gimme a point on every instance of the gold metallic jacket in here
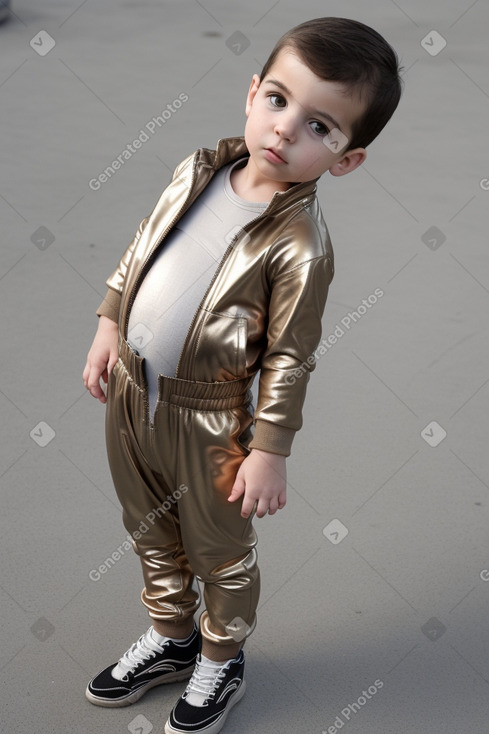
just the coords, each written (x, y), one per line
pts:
(263, 307)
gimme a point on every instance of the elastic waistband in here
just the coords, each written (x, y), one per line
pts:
(188, 393)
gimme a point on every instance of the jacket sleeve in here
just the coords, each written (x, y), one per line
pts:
(110, 306)
(297, 304)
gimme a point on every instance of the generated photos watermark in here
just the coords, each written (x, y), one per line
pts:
(140, 725)
(143, 527)
(351, 709)
(42, 434)
(151, 127)
(433, 43)
(42, 43)
(335, 531)
(346, 323)
(335, 140)
(433, 434)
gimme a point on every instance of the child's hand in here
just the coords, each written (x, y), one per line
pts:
(262, 479)
(101, 358)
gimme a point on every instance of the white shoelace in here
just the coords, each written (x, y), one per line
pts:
(204, 681)
(140, 651)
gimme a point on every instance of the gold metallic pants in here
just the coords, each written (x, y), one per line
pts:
(173, 478)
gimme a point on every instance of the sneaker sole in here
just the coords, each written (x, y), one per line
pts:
(213, 728)
(133, 697)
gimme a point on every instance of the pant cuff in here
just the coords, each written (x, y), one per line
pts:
(236, 631)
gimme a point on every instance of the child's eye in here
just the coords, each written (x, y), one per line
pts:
(280, 100)
(321, 129)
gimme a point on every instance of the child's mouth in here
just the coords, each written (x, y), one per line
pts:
(273, 157)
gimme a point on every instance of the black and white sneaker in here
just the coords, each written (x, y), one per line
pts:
(212, 691)
(146, 664)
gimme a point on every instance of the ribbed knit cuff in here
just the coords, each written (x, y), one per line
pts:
(273, 438)
(110, 306)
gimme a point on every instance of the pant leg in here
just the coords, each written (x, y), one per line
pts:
(219, 543)
(148, 515)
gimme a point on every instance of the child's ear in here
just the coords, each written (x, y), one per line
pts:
(255, 83)
(351, 160)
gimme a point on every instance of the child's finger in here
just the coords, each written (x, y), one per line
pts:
(94, 387)
(237, 490)
(112, 362)
(274, 506)
(95, 391)
(247, 507)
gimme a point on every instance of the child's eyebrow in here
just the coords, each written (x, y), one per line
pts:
(282, 86)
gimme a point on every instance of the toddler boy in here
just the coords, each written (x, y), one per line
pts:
(228, 275)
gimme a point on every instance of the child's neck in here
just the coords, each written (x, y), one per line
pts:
(250, 185)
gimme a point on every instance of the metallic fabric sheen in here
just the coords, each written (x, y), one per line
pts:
(173, 479)
(264, 305)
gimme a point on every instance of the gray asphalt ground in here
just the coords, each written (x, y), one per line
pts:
(374, 609)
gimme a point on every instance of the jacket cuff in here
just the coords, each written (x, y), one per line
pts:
(273, 438)
(110, 306)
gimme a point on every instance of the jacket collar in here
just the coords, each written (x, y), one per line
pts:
(229, 149)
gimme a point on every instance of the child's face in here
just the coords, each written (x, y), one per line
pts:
(295, 121)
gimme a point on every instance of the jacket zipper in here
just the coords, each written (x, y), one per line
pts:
(142, 274)
(151, 255)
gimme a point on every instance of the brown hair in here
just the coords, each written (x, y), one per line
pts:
(353, 54)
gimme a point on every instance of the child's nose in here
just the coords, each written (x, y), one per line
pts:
(286, 127)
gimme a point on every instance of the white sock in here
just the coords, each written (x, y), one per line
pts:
(214, 663)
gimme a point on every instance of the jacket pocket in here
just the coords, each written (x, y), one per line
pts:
(220, 349)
